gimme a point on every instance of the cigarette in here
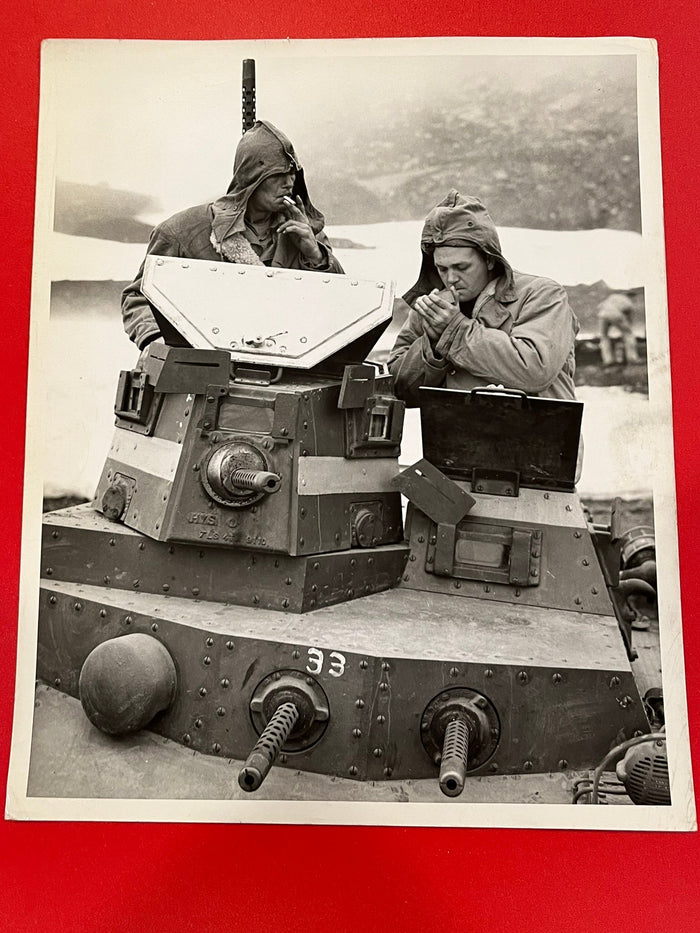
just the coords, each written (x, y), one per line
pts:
(288, 200)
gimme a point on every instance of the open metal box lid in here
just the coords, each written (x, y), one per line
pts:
(502, 430)
(279, 317)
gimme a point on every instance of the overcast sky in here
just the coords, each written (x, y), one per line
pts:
(163, 118)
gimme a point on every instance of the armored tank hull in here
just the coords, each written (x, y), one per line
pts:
(243, 586)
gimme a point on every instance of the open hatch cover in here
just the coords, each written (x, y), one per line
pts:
(501, 430)
(282, 317)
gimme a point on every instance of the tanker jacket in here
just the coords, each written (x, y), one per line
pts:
(218, 231)
(522, 339)
(188, 235)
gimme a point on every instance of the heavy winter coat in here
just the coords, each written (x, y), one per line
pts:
(217, 231)
(520, 333)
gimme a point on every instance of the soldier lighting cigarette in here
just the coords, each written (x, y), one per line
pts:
(449, 294)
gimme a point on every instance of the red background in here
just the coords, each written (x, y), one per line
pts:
(69, 877)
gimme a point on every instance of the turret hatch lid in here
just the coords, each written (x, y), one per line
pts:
(502, 429)
(280, 317)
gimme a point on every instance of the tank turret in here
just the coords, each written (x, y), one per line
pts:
(266, 436)
(248, 525)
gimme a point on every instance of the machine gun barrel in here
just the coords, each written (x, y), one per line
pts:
(257, 480)
(248, 94)
(267, 748)
(455, 753)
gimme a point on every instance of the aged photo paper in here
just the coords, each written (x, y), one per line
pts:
(559, 139)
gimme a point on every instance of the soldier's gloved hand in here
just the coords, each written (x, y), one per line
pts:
(299, 229)
(437, 310)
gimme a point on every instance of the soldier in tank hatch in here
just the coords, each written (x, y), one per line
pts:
(473, 320)
(265, 218)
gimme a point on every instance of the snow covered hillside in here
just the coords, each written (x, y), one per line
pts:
(392, 251)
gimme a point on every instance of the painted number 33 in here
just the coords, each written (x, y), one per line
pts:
(336, 662)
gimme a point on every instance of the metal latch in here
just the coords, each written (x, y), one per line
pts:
(373, 415)
(255, 376)
(137, 403)
(375, 429)
(134, 395)
(496, 482)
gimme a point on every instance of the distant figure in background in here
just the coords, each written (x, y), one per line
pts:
(265, 218)
(615, 313)
(472, 320)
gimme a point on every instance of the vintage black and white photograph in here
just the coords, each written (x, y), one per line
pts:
(349, 454)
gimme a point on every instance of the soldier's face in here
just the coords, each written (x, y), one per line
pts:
(464, 268)
(268, 197)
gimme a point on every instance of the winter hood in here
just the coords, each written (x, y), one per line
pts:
(459, 221)
(263, 151)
